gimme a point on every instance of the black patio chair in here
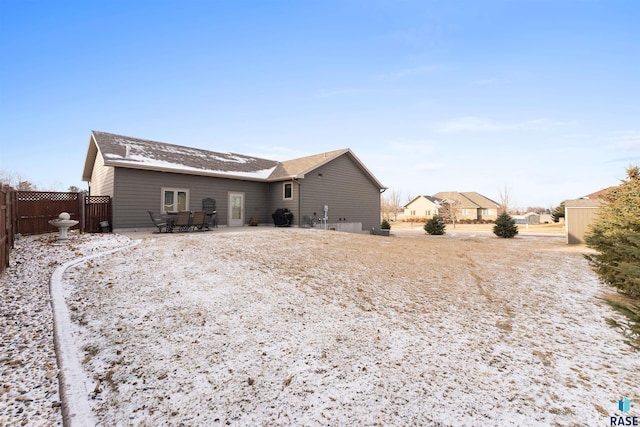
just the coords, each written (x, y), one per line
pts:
(163, 225)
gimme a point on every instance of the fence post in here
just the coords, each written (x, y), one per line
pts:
(81, 210)
(7, 224)
(4, 219)
(13, 205)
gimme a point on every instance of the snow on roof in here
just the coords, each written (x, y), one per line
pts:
(130, 152)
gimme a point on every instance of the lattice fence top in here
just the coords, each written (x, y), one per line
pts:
(97, 199)
(36, 196)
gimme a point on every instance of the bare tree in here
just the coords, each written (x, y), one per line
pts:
(26, 186)
(395, 202)
(385, 207)
(537, 209)
(449, 210)
(390, 204)
(505, 196)
(10, 178)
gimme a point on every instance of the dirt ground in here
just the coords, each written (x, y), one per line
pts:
(268, 326)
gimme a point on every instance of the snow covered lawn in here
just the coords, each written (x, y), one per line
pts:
(272, 326)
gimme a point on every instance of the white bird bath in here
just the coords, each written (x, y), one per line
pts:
(63, 222)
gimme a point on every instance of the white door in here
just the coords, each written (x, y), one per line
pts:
(236, 210)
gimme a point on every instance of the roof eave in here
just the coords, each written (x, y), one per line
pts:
(184, 171)
(90, 161)
(285, 178)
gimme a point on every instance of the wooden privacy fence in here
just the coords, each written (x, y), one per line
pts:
(7, 224)
(97, 213)
(29, 212)
(36, 208)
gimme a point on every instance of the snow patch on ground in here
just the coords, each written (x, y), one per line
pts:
(304, 327)
(272, 326)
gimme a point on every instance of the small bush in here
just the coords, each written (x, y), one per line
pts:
(505, 226)
(384, 225)
(435, 226)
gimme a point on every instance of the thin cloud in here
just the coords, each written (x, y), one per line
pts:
(413, 147)
(408, 72)
(278, 153)
(488, 82)
(470, 124)
(334, 93)
(480, 124)
(629, 140)
(632, 160)
(429, 166)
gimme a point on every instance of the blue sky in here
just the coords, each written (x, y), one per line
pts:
(540, 96)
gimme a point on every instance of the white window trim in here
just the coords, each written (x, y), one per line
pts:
(175, 191)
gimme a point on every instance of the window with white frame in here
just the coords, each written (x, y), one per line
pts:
(287, 191)
(174, 200)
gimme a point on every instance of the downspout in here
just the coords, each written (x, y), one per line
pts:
(293, 179)
(382, 190)
(269, 207)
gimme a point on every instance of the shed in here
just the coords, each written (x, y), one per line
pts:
(579, 214)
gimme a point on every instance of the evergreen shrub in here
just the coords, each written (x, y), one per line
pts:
(615, 235)
(435, 226)
(505, 226)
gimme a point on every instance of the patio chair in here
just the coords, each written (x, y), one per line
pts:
(209, 208)
(199, 221)
(162, 224)
(183, 221)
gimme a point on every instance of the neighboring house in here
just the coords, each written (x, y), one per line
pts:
(421, 207)
(142, 175)
(548, 219)
(528, 218)
(580, 213)
(470, 205)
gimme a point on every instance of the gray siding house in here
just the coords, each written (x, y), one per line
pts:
(470, 205)
(142, 175)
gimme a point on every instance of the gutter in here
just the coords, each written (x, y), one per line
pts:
(294, 179)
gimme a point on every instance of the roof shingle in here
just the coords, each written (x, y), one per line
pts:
(136, 153)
